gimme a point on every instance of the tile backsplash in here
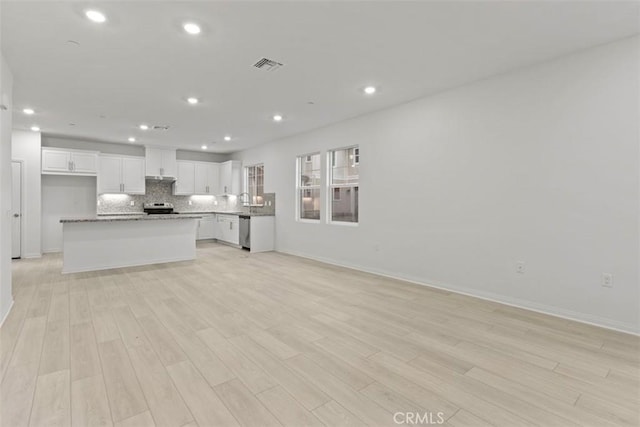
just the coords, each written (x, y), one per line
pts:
(162, 191)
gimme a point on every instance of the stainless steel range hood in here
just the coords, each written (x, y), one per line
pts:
(160, 178)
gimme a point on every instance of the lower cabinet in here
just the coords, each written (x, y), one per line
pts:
(207, 228)
(228, 228)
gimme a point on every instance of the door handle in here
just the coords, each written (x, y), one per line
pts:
(16, 215)
(69, 165)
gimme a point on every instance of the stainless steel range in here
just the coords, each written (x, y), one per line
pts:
(159, 208)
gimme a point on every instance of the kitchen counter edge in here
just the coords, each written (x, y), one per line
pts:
(115, 218)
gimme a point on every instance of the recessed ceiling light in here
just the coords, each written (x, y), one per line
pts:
(204, 147)
(227, 138)
(35, 128)
(191, 28)
(370, 90)
(193, 100)
(28, 111)
(95, 16)
(277, 118)
(144, 127)
(131, 139)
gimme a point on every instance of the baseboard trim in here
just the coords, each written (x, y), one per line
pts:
(488, 296)
(31, 256)
(7, 313)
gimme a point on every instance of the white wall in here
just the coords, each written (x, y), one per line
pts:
(6, 85)
(26, 146)
(64, 196)
(540, 165)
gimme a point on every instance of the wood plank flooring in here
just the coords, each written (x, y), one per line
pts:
(270, 339)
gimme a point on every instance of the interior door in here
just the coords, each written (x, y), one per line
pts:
(16, 210)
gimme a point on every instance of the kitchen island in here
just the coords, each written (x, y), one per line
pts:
(104, 242)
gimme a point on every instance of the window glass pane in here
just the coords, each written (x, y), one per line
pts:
(310, 203)
(344, 204)
(255, 184)
(345, 166)
(310, 170)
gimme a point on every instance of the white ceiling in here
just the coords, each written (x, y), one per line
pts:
(139, 66)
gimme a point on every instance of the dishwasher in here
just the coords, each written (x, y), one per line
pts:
(245, 231)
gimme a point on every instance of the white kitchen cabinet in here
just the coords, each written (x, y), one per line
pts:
(207, 227)
(161, 162)
(230, 177)
(228, 228)
(185, 179)
(57, 161)
(121, 175)
(199, 178)
(133, 170)
(206, 178)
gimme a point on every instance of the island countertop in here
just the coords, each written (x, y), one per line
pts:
(133, 217)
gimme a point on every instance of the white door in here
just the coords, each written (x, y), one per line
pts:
(16, 210)
(133, 175)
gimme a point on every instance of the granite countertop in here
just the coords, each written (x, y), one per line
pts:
(228, 213)
(122, 213)
(132, 217)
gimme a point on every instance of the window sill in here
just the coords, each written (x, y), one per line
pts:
(344, 223)
(308, 221)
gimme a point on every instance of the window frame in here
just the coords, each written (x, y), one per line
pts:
(331, 153)
(246, 187)
(300, 160)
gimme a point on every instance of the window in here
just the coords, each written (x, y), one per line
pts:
(343, 184)
(309, 187)
(253, 185)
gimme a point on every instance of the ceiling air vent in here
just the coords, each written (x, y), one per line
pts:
(267, 64)
(157, 127)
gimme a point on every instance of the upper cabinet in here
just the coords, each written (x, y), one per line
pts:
(121, 175)
(196, 178)
(185, 181)
(230, 177)
(206, 178)
(161, 162)
(56, 161)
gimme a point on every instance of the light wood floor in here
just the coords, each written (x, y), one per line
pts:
(270, 339)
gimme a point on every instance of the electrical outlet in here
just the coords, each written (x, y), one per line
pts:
(190, 202)
(607, 280)
(520, 267)
(133, 203)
